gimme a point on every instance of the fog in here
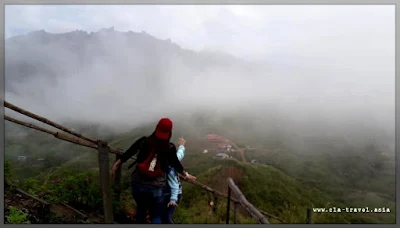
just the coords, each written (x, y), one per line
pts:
(330, 90)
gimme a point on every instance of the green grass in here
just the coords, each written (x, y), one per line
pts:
(291, 183)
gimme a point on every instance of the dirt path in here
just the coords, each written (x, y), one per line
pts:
(241, 151)
(68, 216)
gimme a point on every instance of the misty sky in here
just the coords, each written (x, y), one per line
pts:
(263, 31)
(336, 61)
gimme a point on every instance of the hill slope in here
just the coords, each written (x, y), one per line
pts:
(276, 188)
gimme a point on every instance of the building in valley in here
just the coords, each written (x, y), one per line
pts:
(214, 142)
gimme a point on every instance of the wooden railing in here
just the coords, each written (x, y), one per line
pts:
(254, 212)
(103, 158)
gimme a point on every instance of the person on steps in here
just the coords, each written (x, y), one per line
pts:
(173, 193)
(155, 154)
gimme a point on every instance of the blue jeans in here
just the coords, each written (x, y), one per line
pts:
(169, 211)
(148, 200)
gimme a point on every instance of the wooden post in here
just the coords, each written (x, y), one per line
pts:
(215, 203)
(105, 181)
(228, 205)
(234, 212)
(117, 180)
(308, 220)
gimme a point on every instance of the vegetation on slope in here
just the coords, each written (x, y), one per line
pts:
(283, 184)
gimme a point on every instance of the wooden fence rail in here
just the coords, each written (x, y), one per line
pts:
(59, 135)
(54, 133)
(254, 212)
(46, 121)
(103, 151)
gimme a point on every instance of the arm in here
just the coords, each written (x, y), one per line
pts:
(174, 185)
(128, 154)
(132, 150)
(181, 152)
(173, 160)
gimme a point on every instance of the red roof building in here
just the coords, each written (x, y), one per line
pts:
(216, 138)
(216, 141)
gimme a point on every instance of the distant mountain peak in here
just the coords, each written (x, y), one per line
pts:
(44, 36)
(111, 29)
(33, 55)
(42, 31)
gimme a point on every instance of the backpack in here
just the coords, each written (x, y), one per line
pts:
(151, 166)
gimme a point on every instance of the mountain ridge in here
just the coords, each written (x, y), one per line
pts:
(78, 39)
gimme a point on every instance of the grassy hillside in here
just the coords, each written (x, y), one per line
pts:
(271, 190)
(284, 184)
(335, 173)
(37, 145)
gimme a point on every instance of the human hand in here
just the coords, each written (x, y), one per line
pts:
(190, 177)
(172, 204)
(181, 141)
(115, 168)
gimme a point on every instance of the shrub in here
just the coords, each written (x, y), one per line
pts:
(31, 185)
(76, 189)
(16, 216)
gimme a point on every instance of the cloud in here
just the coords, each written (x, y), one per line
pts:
(242, 30)
(313, 63)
